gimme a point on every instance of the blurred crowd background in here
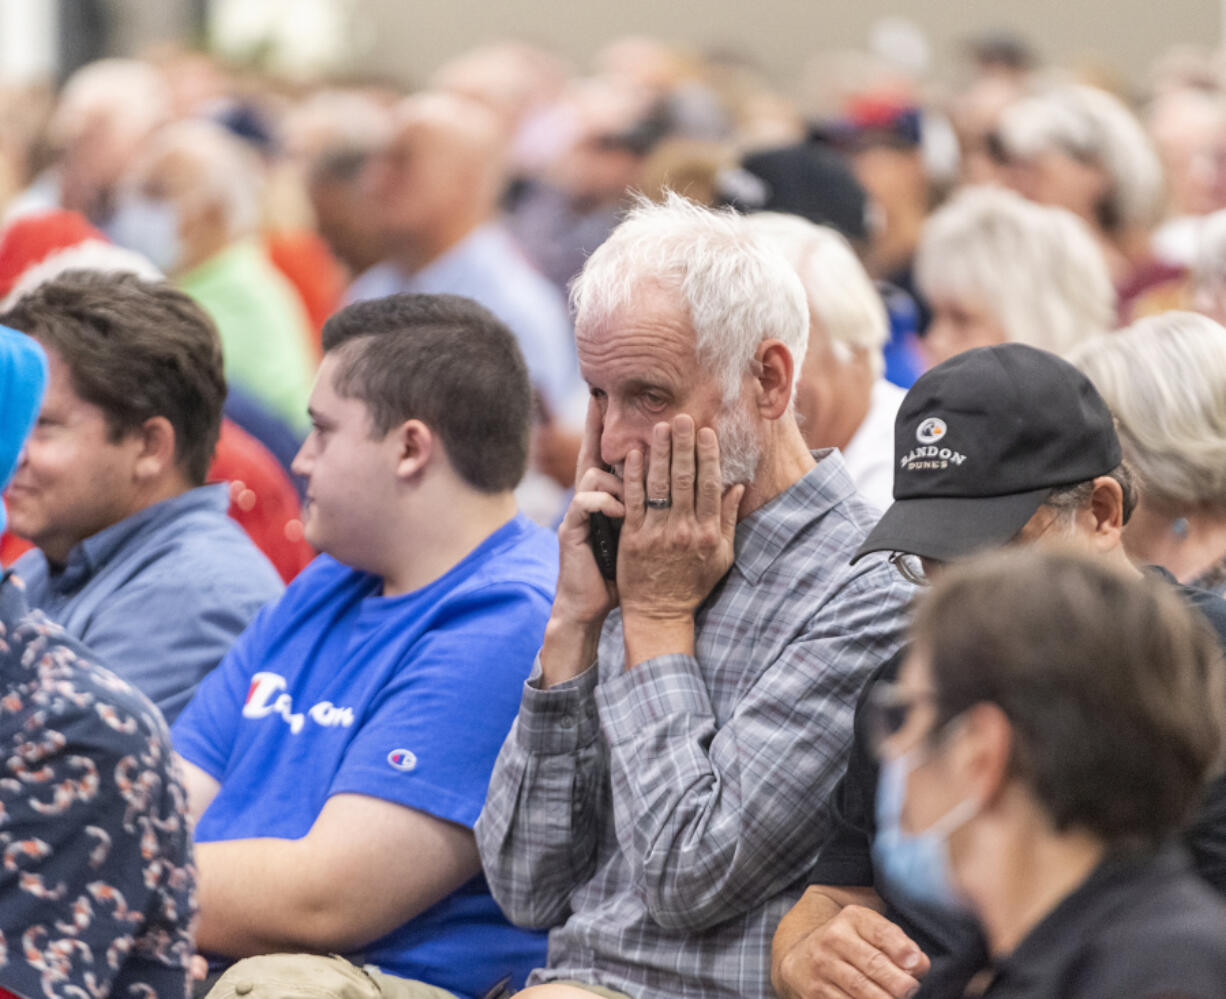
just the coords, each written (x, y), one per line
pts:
(278, 159)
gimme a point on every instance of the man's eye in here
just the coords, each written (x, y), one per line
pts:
(653, 401)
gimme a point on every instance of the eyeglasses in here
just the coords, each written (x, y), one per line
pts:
(887, 709)
(909, 567)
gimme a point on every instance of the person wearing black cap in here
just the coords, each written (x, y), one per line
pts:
(999, 445)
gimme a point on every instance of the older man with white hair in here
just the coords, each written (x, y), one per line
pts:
(191, 204)
(843, 399)
(690, 710)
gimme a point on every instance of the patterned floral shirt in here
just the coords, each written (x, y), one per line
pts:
(97, 887)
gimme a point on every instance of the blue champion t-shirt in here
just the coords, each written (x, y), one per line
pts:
(335, 689)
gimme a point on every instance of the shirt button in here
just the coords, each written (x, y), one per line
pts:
(568, 721)
(242, 988)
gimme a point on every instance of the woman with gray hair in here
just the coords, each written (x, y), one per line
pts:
(996, 268)
(1080, 148)
(1164, 378)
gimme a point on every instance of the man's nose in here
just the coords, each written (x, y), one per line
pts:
(618, 437)
(301, 465)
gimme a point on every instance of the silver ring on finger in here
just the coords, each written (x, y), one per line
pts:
(663, 503)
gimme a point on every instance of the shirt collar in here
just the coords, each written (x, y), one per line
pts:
(764, 534)
(91, 555)
(1062, 930)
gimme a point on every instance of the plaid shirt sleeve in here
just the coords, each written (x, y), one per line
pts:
(713, 817)
(537, 833)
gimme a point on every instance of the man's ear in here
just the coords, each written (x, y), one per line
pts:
(415, 445)
(774, 369)
(155, 441)
(1107, 510)
(983, 751)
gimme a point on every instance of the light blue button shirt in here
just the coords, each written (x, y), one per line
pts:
(490, 268)
(160, 596)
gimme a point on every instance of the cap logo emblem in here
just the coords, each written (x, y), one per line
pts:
(931, 430)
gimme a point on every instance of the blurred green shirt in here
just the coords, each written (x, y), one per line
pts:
(265, 332)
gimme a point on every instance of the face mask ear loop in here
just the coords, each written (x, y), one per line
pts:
(956, 817)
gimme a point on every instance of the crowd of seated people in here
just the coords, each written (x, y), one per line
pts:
(633, 533)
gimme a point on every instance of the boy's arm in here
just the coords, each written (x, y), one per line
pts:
(366, 867)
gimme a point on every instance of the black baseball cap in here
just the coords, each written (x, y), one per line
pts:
(808, 179)
(980, 441)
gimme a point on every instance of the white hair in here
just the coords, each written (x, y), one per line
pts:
(737, 291)
(227, 172)
(841, 295)
(1164, 378)
(130, 93)
(1091, 126)
(1036, 268)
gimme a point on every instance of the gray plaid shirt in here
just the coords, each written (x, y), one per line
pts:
(667, 816)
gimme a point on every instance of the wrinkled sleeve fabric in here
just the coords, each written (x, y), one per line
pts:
(719, 818)
(538, 831)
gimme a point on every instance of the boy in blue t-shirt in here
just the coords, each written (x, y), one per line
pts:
(338, 757)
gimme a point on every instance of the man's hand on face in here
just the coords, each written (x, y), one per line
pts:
(677, 539)
(859, 954)
(584, 597)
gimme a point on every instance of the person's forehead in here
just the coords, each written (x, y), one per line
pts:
(61, 392)
(649, 331)
(326, 399)
(325, 377)
(59, 376)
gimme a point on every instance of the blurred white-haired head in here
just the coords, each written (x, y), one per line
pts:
(1079, 147)
(194, 189)
(844, 305)
(996, 267)
(106, 110)
(1164, 378)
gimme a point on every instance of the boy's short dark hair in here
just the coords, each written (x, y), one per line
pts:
(448, 362)
(135, 349)
(1113, 686)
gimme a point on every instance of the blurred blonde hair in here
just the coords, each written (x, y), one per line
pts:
(1164, 378)
(1037, 268)
(1092, 126)
(841, 295)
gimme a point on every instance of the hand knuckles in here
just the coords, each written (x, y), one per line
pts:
(880, 968)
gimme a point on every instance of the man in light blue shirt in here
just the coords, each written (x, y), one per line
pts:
(135, 555)
(438, 185)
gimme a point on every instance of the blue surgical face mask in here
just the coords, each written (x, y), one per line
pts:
(916, 864)
(149, 227)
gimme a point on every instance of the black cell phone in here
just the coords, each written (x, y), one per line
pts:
(603, 534)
